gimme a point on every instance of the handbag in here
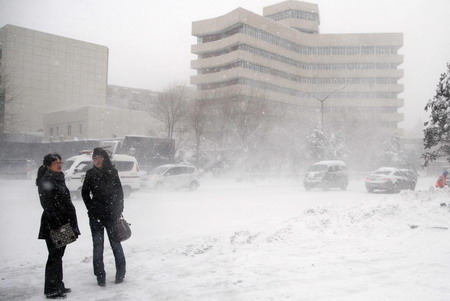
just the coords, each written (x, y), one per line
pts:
(63, 236)
(121, 230)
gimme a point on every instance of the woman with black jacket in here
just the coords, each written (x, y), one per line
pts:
(58, 211)
(103, 196)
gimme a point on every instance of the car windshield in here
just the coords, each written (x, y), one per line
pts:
(382, 172)
(124, 165)
(318, 167)
(158, 170)
(67, 164)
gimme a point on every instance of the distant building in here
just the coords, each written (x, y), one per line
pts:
(41, 72)
(97, 122)
(130, 98)
(283, 56)
(56, 88)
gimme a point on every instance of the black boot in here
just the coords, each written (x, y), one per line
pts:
(101, 281)
(56, 295)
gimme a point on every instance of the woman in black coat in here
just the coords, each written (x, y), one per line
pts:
(58, 211)
(103, 196)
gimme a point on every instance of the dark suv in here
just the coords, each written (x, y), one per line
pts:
(327, 174)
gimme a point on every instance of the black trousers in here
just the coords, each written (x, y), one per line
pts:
(98, 238)
(54, 269)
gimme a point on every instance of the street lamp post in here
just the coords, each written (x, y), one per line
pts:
(322, 100)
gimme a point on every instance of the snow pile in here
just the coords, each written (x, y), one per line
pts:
(247, 241)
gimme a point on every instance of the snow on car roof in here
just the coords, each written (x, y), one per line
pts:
(121, 157)
(330, 162)
(174, 165)
(386, 169)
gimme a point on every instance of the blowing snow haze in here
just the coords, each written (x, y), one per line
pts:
(289, 179)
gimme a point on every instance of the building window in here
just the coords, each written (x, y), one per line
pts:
(51, 131)
(80, 128)
(294, 13)
(69, 130)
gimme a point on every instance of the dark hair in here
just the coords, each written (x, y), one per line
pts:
(107, 164)
(46, 163)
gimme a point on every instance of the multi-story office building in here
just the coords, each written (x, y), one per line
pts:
(41, 73)
(284, 57)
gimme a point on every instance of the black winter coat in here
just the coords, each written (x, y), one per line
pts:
(57, 205)
(102, 194)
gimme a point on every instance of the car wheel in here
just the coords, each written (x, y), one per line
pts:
(194, 185)
(307, 187)
(159, 186)
(369, 190)
(126, 191)
(395, 188)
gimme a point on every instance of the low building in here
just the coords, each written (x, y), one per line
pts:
(97, 122)
(131, 98)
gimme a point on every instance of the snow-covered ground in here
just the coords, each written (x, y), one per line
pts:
(260, 240)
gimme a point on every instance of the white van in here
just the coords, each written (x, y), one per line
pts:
(75, 169)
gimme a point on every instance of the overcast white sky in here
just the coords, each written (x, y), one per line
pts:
(149, 41)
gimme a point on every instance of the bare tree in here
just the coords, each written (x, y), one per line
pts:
(237, 119)
(363, 134)
(170, 108)
(245, 124)
(219, 129)
(198, 120)
(249, 116)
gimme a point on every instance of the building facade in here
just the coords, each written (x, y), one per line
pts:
(55, 88)
(97, 122)
(41, 72)
(131, 98)
(283, 56)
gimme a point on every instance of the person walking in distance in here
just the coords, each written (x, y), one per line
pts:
(103, 196)
(442, 180)
(58, 211)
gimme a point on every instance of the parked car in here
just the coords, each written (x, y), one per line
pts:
(171, 176)
(127, 166)
(391, 179)
(327, 174)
